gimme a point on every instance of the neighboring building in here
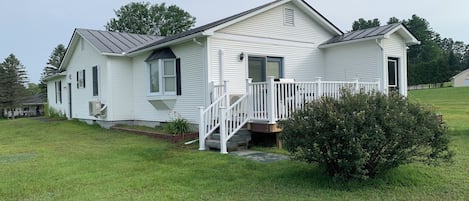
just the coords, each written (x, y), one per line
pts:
(114, 77)
(461, 79)
(30, 106)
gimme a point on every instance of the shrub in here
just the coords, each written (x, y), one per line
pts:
(53, 113)
(365, 134)
(178, 126)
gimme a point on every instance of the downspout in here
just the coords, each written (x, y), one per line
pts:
(221, 53)
(383, 64)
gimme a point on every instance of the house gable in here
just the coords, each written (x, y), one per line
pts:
(285, 22)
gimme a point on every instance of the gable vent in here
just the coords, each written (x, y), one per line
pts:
(289, 17)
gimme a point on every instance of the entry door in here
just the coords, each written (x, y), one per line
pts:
(393, 74)
(262, 67)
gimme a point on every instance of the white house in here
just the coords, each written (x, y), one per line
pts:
(461, 79)
(114, 78)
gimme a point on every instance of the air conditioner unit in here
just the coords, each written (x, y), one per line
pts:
(95, 108)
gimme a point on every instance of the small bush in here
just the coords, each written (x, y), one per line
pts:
(363, 135)
(53, 113)
(178, 126)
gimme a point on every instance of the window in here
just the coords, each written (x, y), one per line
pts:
(81, 79)
(164, 77)
(95, 81)
(262, 67)
(393, 77)
(289, 17)
(58, 92)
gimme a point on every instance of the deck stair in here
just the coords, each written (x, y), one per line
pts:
(239, 141)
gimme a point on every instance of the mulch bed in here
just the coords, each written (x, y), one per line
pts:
(169, 138)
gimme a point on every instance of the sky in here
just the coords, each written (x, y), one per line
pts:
(31, 29)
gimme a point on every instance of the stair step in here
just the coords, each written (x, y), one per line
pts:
(216, 145)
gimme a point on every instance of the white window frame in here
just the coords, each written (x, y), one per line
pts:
(161, 78)
(81, 79)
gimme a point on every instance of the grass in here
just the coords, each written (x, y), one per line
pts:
(67, 160)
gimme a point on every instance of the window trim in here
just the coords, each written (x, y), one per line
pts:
(396, 72)
(81, 76)
(162, 77)
(265, 60)
(58, 92)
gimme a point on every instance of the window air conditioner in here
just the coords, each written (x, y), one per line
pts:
(95, 108)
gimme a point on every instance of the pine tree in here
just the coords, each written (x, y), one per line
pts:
(53, 65)
(13, 78)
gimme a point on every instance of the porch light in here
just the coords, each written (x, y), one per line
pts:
(241, 56)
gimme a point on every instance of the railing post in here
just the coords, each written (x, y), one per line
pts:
(318, 80)
(201, 129)
(225, 86)
(223, 141)
(249, 97)
(225, 91)
(357, 85)
(212, 93)
(378, 83)
(271, 100)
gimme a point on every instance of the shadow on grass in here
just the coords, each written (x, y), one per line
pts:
(315, 176)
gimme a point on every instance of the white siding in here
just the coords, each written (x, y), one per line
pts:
(270, 24)
(395, 47)
(120, 85)
(84, 57)
(193, 85)
(461, 79)
(266, 35)
(51, 96)
(357, 60)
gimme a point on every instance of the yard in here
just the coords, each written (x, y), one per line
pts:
(67, 160)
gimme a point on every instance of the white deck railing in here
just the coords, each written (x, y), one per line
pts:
(267, 102)
(273, 101)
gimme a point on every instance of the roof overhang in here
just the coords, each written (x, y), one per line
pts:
(166, 44)
(56, 76)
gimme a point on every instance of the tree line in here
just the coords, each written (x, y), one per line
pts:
(435, 59)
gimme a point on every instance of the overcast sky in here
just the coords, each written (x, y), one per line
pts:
(30, 29)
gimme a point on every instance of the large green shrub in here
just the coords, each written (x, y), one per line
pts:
(364, 134)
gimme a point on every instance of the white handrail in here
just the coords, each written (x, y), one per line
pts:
(210, 119)
(232, 120)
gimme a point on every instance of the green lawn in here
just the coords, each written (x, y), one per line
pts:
(67, 160)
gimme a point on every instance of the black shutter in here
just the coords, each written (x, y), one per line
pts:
(78, 79)
(95, 80)
(178, 77)
(84, 80)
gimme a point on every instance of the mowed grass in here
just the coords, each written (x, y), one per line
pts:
(67, 160)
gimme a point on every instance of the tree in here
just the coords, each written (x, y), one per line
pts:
(13, 78)
(52, 65)
(157, 19)
(365, 24)
(393, 20)
(364, 135)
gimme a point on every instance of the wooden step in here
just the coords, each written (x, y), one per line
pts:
(264, 128)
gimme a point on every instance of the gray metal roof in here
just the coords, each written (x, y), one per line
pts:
(220, 22)
(115, 42)
(363, 34)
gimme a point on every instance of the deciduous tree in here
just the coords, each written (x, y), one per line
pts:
(157, 19)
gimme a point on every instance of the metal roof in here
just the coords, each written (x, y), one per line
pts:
(115, 42)
(363, 34)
